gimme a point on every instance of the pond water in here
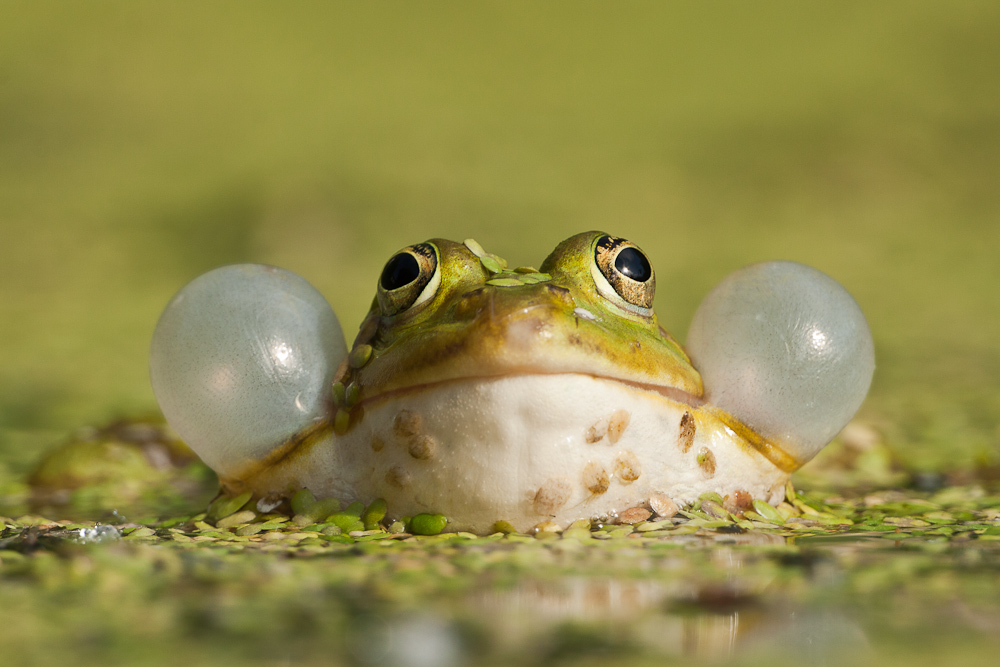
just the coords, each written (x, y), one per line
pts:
(703, 599)
(879, 577)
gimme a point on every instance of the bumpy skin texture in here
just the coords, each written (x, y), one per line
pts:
(786, 349)
(242, 359)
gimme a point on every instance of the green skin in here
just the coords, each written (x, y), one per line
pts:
(446, 337)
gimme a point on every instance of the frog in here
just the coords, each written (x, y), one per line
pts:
(534, 397)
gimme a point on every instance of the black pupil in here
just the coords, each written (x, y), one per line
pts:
(400, 271)
(633, 264)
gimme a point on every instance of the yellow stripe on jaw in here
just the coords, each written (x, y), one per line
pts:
(279, 459)
(769, 450)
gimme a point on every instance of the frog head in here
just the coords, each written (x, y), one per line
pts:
(447, 311)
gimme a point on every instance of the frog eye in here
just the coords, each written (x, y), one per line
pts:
(409, 278)
(623, 274)
(786, 350)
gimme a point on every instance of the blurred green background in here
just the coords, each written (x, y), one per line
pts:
(143, 143)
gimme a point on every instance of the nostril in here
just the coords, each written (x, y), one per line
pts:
(471, 304)
(560, 293)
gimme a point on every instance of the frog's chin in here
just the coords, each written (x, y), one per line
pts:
(776, 452)
(673, 393)
(525, 449)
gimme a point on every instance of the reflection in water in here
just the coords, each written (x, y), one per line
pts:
(809, 637)
(531, 615)
(410, 640)
(737, 617)
(723, 604)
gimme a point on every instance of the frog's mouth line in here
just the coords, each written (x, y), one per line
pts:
(672, 393)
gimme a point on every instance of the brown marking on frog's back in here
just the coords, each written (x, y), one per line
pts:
(422, 447)
(397, 477)
(407, 423)
(551, 496)
(596, 431)
(595, 478)
(706, 461)
(627, 467)
(687, 430)
(617, 425)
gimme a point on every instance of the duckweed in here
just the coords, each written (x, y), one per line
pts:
(318, 510)
(766, 512)
(244, 516)
(490, 264)
(428, 524)
(504, 527)
(346, 522)
(355, 509)
(223, 506)
(505, 282)
(374, 513)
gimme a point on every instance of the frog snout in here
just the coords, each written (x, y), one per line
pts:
(496, 305)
